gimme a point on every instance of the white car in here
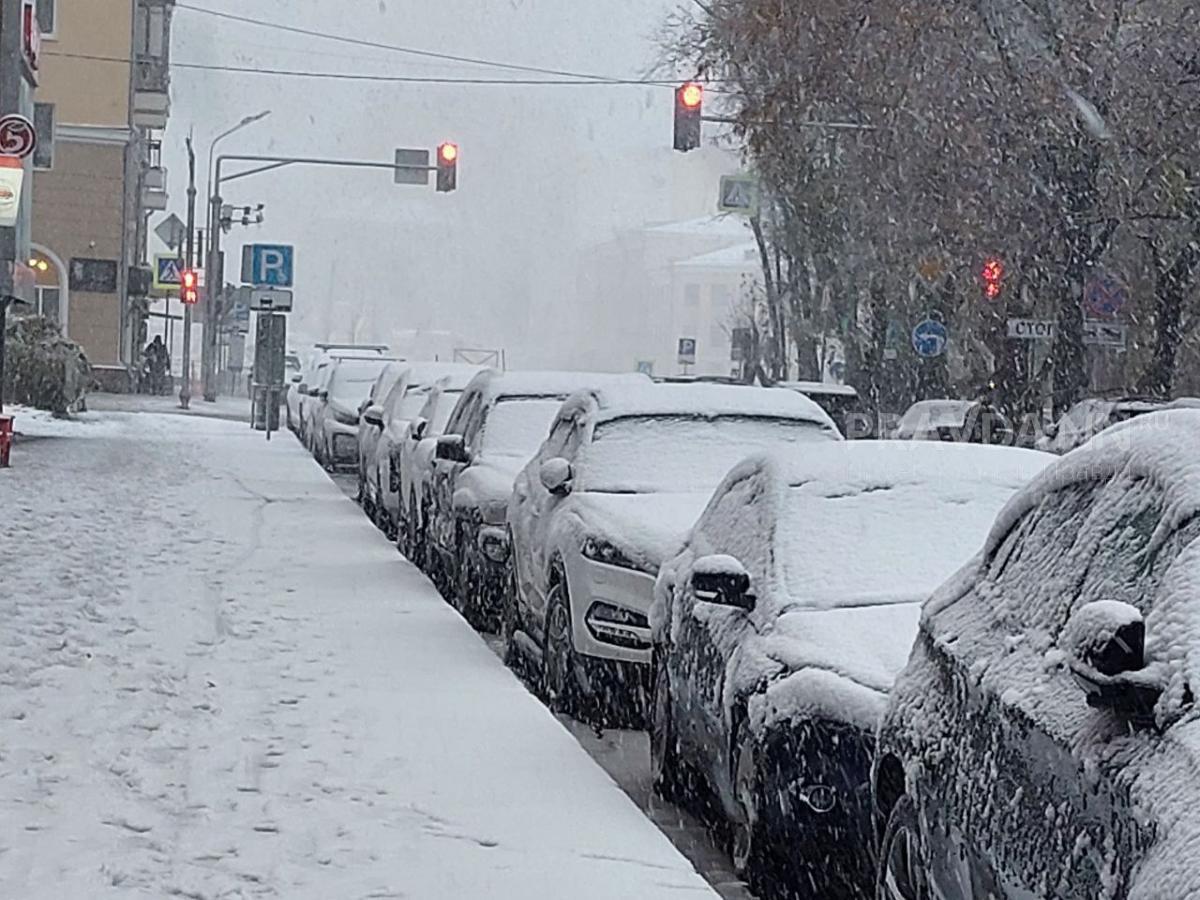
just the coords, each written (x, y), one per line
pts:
(344, 386)
(1088, 418)
(302, 397)
(496, 426)
(392, 414)
(612, 492)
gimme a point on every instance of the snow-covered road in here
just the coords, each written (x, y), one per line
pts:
(217, 680)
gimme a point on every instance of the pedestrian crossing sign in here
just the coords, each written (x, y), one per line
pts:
(168, 272)
(739, 194)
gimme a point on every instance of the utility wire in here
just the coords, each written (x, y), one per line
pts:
(357, 76)
(412, 51)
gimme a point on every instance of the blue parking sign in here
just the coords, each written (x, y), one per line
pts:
(268, 265)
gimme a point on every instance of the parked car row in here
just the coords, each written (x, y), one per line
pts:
(833, 673)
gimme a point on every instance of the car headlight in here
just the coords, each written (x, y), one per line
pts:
(600, 550)
(821, 798)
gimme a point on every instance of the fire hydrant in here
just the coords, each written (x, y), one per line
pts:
(6, 437)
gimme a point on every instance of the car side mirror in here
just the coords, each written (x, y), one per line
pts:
(451, 448)
(296, 380)
(556, 475)
(419, 427)
(323, 395)
(373, 415)
(1105, 645)
(724, 581)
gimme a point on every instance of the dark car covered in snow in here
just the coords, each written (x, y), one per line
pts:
(1044, 739)
(780, 627)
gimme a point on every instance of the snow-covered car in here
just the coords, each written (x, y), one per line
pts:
(410, 464)
(1042, 741)
(344, 386)
(612, 492)
(371, 426)
(497, 425)
(1088, 418)
(779, 629)
(934, 420)
(393, 413)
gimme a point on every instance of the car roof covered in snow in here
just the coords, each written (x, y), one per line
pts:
(496, 385)
(907, 514)
(699, 400)
(455, 376)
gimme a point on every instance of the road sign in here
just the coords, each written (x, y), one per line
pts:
(739, 194)
(929, 339)
(412, 166)
(1030, 330)
(270, 300)
(171, 231)
(168, 272)
(687, 351)
(1105, 295)
(12, 177)
(17, 136)
(268, 265)
(1105, 334)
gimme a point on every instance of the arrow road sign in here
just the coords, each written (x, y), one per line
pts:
(1030, 330)
(929, 339)
(171, 231)
(168, 272)
(268, 265)
(1105, 334)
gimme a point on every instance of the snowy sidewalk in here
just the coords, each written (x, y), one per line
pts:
(235, 688)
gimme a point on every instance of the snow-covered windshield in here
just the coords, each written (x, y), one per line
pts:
(352, 380)
(411, 404)
(518, 427)
(656, 454)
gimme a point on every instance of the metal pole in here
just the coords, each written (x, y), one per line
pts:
(215, 283)
(185, 388)
(4, 301)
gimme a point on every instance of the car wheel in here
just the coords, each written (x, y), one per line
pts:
(746, 843)
(902, 867)
(558, 657)
(664, 750)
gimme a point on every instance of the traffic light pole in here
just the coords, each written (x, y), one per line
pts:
(216, 278)
(185, 387)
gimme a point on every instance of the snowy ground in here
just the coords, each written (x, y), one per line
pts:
(217, 680)
(625, 755)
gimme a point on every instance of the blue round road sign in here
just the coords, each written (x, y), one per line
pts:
(1105, 295)
(929, 339)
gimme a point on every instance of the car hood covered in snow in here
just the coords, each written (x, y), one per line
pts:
(647, 528)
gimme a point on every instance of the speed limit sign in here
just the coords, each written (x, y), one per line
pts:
(17, 136)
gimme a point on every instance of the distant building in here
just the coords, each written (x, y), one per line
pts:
(100, 107)
(650, 287)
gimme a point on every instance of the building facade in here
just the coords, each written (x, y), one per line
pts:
(101, 104)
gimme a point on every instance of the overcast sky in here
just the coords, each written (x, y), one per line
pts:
(546, 171)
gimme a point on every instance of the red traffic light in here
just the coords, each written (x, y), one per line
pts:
(447, 167)
(189, 286)
(993, 278)
(689, 103)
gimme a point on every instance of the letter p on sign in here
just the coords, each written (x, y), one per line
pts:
(268, 265)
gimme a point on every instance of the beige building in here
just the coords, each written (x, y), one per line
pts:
(101, 103)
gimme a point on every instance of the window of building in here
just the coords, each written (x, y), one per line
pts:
(43, 123)
(47, 16)
(151, 38)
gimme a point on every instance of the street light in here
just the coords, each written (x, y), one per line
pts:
(209, 346)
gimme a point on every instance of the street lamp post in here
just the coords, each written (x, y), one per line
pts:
(215, 279)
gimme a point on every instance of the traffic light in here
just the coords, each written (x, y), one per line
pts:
(689, 106)
(189, 286)
(993, 278)
(447, 167)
